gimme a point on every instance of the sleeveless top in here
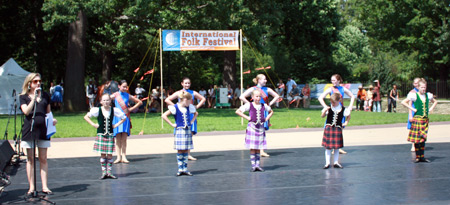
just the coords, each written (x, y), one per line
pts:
(257, 116)
(105, 124)
(339, 89)
(335, 118)
(182, 119)
(422, 108)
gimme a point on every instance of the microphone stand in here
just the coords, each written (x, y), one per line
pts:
(16, 158)
(35, 194)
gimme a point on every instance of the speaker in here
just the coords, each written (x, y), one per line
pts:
(6, 153)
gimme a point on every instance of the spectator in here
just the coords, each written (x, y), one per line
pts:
(91, 93)
(376, 97)
(57, 96)
(280, 91)
(289, 85)
(369, 100)
(392, 99)
(361, 98)
(237, 94)
(211, 96)
(202, 92)
(306, 92)
(139, 91)
(294, 96)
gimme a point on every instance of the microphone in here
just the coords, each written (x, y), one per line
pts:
(37, 89)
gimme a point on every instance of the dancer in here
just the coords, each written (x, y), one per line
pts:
(186, 84)
(255, 138)
(182, 111)
(32, 94)
(419, 124)
(410, 112)
(332, 135)
(336, 80)
(104, 142)
(260, 82)
(121, 132)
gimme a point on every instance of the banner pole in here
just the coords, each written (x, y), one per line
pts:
(242, 67)
(161, 68)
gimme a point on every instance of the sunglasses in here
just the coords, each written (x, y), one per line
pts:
(36, 81)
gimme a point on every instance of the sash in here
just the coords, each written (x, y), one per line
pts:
(122, 105)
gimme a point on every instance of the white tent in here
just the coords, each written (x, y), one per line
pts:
(11, 78)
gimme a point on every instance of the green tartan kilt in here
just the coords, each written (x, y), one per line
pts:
(104, 144)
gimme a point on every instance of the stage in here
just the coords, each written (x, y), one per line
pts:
(382, 174)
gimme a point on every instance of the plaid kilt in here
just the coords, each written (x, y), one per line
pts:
(419, 130)
(332, 138)
(183, 139)
(255, 137)
(104, 144)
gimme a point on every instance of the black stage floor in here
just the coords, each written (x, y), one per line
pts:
(371, 175)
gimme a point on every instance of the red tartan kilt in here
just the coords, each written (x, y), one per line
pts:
(332, 138)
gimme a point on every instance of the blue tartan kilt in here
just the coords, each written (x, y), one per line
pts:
(332, 137)
(183, 138)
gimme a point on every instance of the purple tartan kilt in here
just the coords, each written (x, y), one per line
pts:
(183, 139)
(104, 144)
(332, 138)
(255, 137)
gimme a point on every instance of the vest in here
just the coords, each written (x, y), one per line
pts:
(105, 124)
(422, 108)
(182, 119)
(335, 119)
(257, 116)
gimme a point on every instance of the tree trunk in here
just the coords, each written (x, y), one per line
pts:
(107, 65)
(75, 96)
(229, 68)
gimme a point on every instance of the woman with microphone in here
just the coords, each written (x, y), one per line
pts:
(34, 100)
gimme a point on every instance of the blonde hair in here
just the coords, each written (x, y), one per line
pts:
(27, 82)
(417, 79)
(256, 92)
(335, 97)
(258, 77)
(423, 81)
(185, 95)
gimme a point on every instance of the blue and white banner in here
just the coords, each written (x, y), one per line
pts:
(200, 40)
(318, 89)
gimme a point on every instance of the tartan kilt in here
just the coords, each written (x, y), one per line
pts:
(183, 139)
(255, 137)
(104, 144)
(419, 130)
(332, 138)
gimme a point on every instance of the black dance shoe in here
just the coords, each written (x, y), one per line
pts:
(326, 166)
(337, 165)
(111, 176)
(417, 160)
(179, 174)
(253, 169)
(187, 173)
(259, 169)
(104, 176)
(425, 160)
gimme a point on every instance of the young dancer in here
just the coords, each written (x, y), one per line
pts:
(260, 82)
(336, 80)
(182, 111)
(255, 138)
(410, 112)
(122, 98)
(332, 135)
(419, 124)
(186, 84)
(104, 142)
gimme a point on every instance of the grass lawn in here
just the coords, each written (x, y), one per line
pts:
(73, 124)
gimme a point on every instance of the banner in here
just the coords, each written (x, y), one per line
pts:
(200, 40)
(318, 89)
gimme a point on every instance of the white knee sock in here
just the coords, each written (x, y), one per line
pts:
(336, 156)
(327, 156)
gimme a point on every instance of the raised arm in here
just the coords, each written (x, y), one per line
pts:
(434, 101)
(169, 99)
(352, 98)
(274, 95)
(322, 96)
(246, 94)
(406, 103)
(165, 118)
(240, 113)
(137, 101)
(202, 99)
(88, 119)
